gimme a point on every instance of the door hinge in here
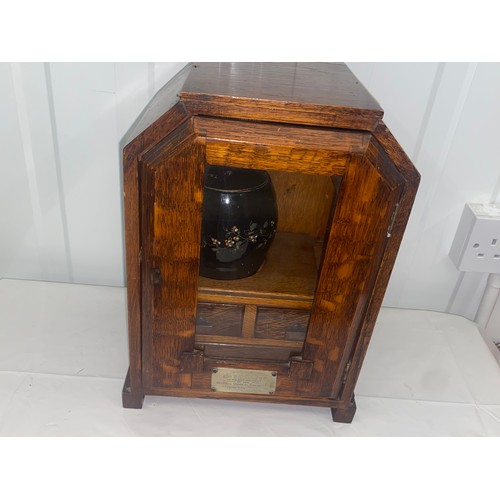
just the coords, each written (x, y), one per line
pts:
(140, 254)
(346, 372)
(393, 219)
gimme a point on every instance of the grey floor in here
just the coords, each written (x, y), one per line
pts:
(63, 358)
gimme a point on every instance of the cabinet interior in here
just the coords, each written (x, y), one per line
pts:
(265, 316)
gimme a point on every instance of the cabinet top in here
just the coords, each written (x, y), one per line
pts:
(320, 84)
(313, 94)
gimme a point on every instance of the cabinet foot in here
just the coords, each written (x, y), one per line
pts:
(130, 398)
(344, 415)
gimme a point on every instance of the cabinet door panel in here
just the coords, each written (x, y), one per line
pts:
(353, 255)
(172, 187)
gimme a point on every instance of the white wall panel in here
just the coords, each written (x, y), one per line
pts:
(163, 71)
(423, 273)
(403, 90)
(450, 137)
(132, 93)
(84, 104)
(136, 84)
(60, 172)
(18, 239)
(42, 169)
(492, 330)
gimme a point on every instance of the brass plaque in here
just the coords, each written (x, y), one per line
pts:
(243, 381)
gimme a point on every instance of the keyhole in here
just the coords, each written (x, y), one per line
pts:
(156, 276)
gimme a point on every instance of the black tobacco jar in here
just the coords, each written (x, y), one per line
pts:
(239, 222)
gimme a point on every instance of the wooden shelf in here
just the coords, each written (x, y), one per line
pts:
(287, 278)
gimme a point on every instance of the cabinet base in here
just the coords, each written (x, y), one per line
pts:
(344, 415)
(131, 398)
(135, 398)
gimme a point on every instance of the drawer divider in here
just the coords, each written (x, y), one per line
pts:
(249, 319)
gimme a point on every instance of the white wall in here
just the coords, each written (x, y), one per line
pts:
(447, 118)
(492, 329)
(60, 203)
(60, 191)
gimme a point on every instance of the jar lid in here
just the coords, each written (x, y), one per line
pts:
(233, 179)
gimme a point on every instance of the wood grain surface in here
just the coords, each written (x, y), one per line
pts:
(289, 274)
(171, 227)
(133, 393)
(279, 147)
(219, 319)
(352, 258)
(322, 94)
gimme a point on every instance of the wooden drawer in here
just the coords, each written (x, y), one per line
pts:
(281, 324)
(219, 319)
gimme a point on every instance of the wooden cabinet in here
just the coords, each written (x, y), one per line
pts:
(297, 331)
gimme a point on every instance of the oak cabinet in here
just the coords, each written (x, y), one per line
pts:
(297, 331)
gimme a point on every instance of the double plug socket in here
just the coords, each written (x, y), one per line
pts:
(476, 246)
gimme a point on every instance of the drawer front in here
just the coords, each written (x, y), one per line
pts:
(281, 324)
(219, 319)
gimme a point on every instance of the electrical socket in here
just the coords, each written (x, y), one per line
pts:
(476, 246)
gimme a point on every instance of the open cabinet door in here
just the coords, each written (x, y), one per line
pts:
(368, 202)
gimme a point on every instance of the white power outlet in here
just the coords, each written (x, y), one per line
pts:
(476, 246)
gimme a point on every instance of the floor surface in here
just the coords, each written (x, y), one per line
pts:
(63, 358)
